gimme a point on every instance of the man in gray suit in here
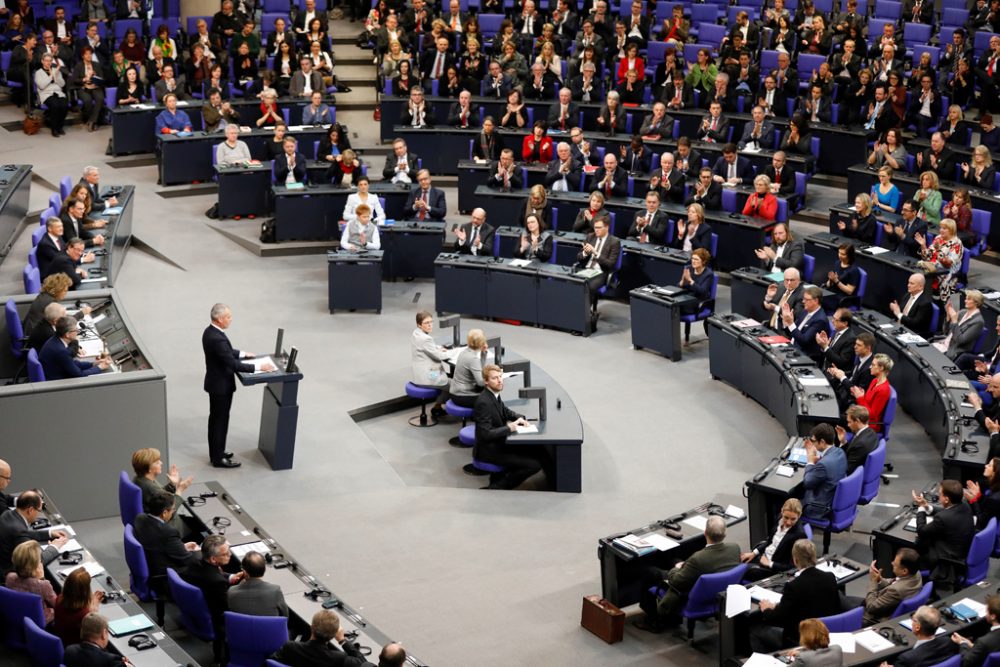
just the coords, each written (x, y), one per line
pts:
(305, 80)
(254, 596)
(681, 578)
(885, 593)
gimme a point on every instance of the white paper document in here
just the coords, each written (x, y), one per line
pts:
(91, 347)
(784, 471)
(813, 382)
(94, 280)
(243, 549)
(260, 361)
(66, 528)
(763, 660)
(845, 640)
(735, 512)
(520, 262)
(697, 521)
(93, 569)
(872, 641)
(737, 600)
(758, 593)
(977, 607)
(875, 250)
(660, 542)
(524, 430)
(910, 338)
(839, 571)
(912, 523)
(71, 545)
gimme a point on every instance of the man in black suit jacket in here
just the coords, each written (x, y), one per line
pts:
(566, 166)
(930, 648)
(6, 500)
(49, 245)
(400, 165)
(813, 593)
(565, 113)
(974, 655)
(666, 180)
(292, 161)
(610, 179)
(790, 292)
(317, 652)
(731, 168)
(785, 252)
(937, 158)
(207, 575)
(494, 423)
(714, 126)
(706, 191)
(435, 63)
(976, 366)
(916, 312)
(782, 176)
(92, 179)
(425, 202)
(863, 440)
(68, 262)
(601, 249)
(838, 346)
(504, 175)
(858, 372)
(949, 535)
(76, 224)
(759, 132)
(476, 236)
(461, 114)
(15, 528)
(650, 225)
(92, 650)
(46, 329)
(418, 112)
(221, 363)
(160, 540)
(775, 553)
(804, 328)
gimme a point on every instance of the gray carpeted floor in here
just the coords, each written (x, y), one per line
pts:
(381, 511)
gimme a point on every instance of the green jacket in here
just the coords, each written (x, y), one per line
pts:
(713, 558)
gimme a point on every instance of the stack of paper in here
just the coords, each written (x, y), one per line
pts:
(839, 571)
(872, 641)
(93, 569)
(71, 545)
(875, 250)
(242, 550)
(763, 660)
(698, 522)
(757, 594)
(845, 640)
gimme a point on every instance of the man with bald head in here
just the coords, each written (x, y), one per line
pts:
(565, 113)
(476, 236)
(790, 295)
(564, 172)
(915, 313)
(667, 181)
(6, 500)
(392, 655)
(46, 329)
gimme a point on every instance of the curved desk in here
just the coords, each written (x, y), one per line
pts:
(108, 259)
(15, 187)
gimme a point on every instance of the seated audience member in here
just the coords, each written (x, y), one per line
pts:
(148, 465)
(657, 124)
(131, 90)
(858, 372)
(418, 112)
(218, 113)
(586, 218)
(538, 204)
(759, 133)
(467, 380)
(889, 153)
(400, 165)
(698, 278)
(863, 440)
(77, 224)
(58, 361)
(290, 167)
(461, 114)
(876, 397)
(67, 263)
(155, 531)
(717, 556)
(494, 422)
(564, 113)
(985, 504)
(50, 245)
(843, 280)
(170, 85)
(171, 120)
(785, 252)
(974, 654)
(392, 655)
(667, 181)
(46, 329)
(651, 224)
(537, 146)
(233, 150)
(978, 367)
(775, 553)
(275, 146)
(610, 179)
(270, 114)
(731, 168)
(937, 159)
(612, 115)
(207, 575)
(714, 126)
(15, 529)
(706, 191)
(635, 158)
(943, 257)
(254, 596)
(425, 201)
(476, 236)
(360, 233)
(980, 171)
(826, 466)
(814, 638)
(429, 360)
(345, 169)
(929, 648)
(761, 204)
(535, 241)
(600, 251)
(804, 327)
(28, 576)
(962, 329)
(92, 651)
(988, 415)
(959, 209)
(686, 159)
(54, 288)
(863, 225)
(916, 312)
(487, 143)
(947, 537)
(792, 295)
(838, 345)
(324, 628)
(694, 232)
(563, 173)
(812, 593)
(885, 593)
(51, 90)
(505, 175)
(317, 113)
(903, 237)
(73, 605)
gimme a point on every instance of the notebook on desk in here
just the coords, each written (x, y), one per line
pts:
(130, 625)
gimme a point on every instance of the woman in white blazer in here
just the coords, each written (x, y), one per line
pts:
(429, 366)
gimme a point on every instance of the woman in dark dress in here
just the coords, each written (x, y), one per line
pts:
(845, 277)
(697, 279)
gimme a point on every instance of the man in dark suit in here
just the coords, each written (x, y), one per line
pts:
(826, 466)
(775, 553)
(317, 652)
(6, 500)
(207, 575)
(731, 168)
(786, 78)
(771, 98)
(902, 237)
(68, 262)
(813, 593)
(58, 361)
(782, 176)
(305, 80)
(678, 93)
(717, 556)
(858, 372)
(76, 224)
(92, 179)
(949, 535)
(291, 162)
(46, 329)
(610, 179)
(838, 346)
(785, 252)
(937, 158)
(15, 528)
(425, 202)
(504, 174)
(496, 84)
(975, 654)
(880, 117)
(563, 173)
(565, 113)
(600, 250)
(161, 540)
(658, 124)
(49, 245)
(254, 596)
(916, 312)
(930, 648)
(476, 236)
(863, 439)
(389, 32)
(714, 126)
(816, 106)
(400, 165)
(667, 181)
(435, 63)
(61, 28)
(791, 295)
(461, 114)
(92, 650)
(803, 328)
(650, 225)
(759, 132)
(418, 112)
(918, 11)
(221, 363)
(494, 423)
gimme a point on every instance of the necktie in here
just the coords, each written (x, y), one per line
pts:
(473, 237)
(463, 116)
(715, 122)
(777, 176)
(732, 171)
(506, 180)
(835, 337)
(423, 211)
(677, 94)
(993, 62)
(775, 316)
(597, 253)
(857, 366)
(607, 188)
(562, 118)
(909, 304)
(438, 65)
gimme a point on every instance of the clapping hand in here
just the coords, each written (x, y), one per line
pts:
(836, 372)
(841, 433)
(971, 490)
(992, 425)
(787, 316)
(823, 339)
(857, 392)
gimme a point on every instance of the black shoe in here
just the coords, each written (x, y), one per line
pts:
(226, 463)
(227, 455)
(645, 625)
(437, 413)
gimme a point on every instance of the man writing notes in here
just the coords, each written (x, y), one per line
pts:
(221, 363)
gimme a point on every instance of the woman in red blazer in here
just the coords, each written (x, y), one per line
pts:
(537, 146)
(632, 60)
(877, 396)
(762, 204)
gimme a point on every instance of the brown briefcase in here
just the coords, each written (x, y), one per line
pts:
(603, 618)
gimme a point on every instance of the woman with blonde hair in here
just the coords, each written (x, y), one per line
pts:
(539, 205)
(28, 576)
(862, 225)
(929, 197)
